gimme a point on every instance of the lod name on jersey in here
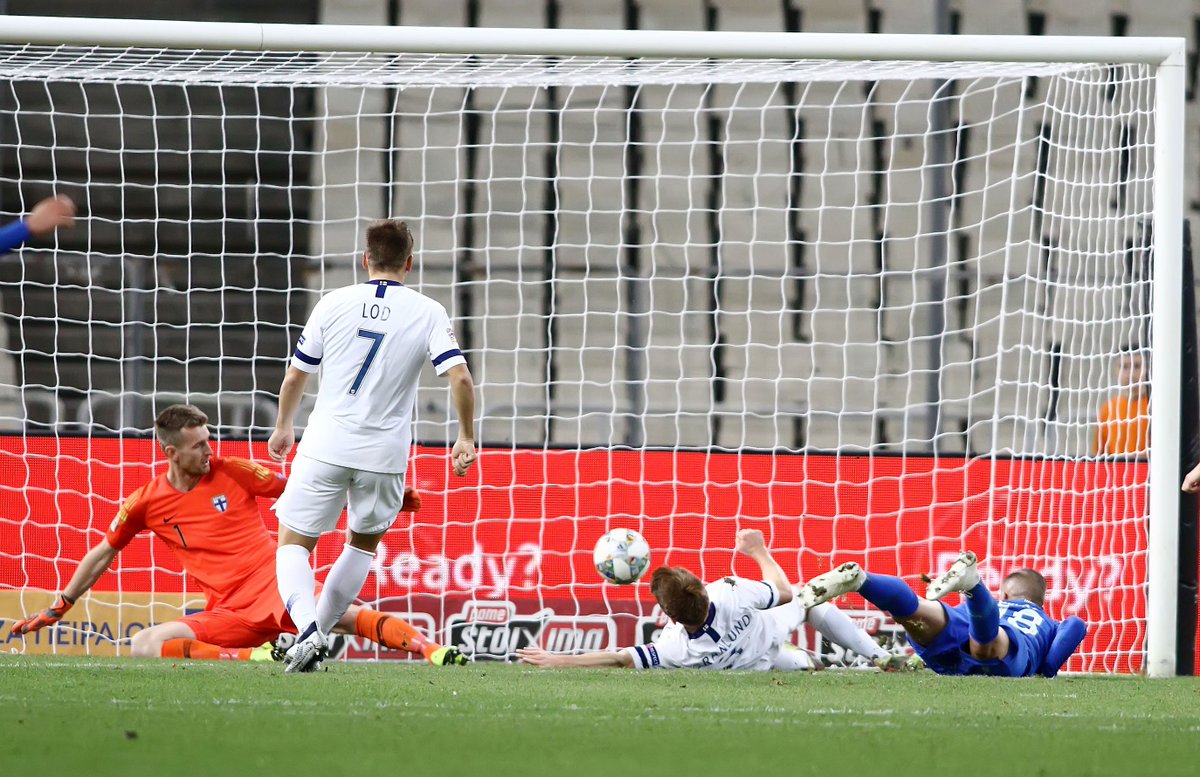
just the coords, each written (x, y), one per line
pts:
(376, 312)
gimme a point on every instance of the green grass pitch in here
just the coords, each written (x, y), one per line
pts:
(73, 716)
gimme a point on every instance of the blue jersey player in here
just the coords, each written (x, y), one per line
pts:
(47, 216)
(1010, 638)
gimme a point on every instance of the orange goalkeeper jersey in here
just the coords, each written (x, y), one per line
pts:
(215, 529)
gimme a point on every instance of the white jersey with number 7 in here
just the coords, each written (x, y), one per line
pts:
(370, 342)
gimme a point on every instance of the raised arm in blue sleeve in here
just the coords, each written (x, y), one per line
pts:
(13, 235)
(1070, 633)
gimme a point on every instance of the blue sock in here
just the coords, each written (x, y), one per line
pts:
(890, 594)
(985, 614)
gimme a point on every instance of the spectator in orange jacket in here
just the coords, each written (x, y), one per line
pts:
(1124, 421)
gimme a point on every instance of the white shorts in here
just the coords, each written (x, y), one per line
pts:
(316, 492)
(783, 620)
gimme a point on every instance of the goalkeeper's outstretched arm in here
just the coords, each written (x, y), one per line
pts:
(597, 660)
(94, 564)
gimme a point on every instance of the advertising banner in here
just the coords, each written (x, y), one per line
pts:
(503, 556)
(101, 624)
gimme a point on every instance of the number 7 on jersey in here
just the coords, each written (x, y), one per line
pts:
(376, 339)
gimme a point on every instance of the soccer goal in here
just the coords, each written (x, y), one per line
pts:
(872, 294)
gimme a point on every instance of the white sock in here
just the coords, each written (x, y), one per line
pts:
(294, 576)
(344, 583)
(789, 658)
(839, 629)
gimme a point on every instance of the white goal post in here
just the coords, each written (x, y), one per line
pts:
(652, 307)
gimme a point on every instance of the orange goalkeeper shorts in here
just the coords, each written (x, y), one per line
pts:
(233, 624)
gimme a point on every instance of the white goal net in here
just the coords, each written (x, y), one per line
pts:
(876, 309)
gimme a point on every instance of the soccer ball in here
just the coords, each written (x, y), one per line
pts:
(621, 556)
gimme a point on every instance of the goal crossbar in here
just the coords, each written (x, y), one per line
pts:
(39, 30)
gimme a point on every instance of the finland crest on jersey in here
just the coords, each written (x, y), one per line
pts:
(221, 503)
(370, 342)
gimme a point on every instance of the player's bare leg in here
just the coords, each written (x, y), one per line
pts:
(397, 634)
(988, 641)
(923, 626)
(177, 640)
(148, 643)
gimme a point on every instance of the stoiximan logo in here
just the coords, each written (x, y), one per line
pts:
(487, 630)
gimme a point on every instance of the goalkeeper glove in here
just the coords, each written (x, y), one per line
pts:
(47, 617)
(412, 501)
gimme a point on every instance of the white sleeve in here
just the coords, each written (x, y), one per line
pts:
(641, 659)
(655, 655)
(443, 344)
(758, 594)
(311, 345)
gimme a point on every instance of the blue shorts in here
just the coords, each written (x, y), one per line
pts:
(950, 651)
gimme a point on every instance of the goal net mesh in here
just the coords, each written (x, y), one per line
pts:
(882, 311)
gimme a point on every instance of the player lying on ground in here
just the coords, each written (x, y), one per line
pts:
(733, 623)
(205, 509)
(1014, 638)
(47, 216)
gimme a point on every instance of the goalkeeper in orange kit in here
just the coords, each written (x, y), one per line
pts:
(205, 509)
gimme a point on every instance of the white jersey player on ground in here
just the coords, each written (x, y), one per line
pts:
(733, 623)
(370, 342)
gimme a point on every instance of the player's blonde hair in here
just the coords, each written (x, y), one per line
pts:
(389, 244)
(174, 419)
(680, 594)
(1027, 584)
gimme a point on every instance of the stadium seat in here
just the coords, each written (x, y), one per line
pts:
(231, 415)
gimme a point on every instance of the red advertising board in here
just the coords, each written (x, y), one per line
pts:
(518, 531)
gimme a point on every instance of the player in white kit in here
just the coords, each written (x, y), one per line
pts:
(370, 342)
(732, 623)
